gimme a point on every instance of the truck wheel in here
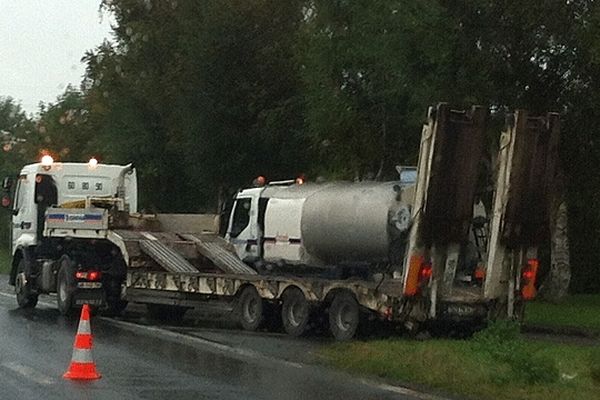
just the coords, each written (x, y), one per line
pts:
(295, 312)
(65, 286)
(344, 316)
(115, 305)
(26, 297)
(250, 309)
(165, 312)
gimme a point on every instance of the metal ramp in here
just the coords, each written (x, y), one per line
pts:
(165, 256)
(212, 248)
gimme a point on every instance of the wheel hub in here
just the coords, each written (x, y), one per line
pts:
(20, 283)
(344, 319)
(251, 310)
(62, 291)
(297, 314)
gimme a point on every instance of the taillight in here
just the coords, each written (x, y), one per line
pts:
(528, 275)
(425, 273)
(419, 274)
(479, 273)
(88, 275)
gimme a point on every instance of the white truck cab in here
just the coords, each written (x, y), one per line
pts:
(60, 193)
(42, 185)
(244, 230)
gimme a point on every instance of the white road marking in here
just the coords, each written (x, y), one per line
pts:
(178, 337)
(28, 373)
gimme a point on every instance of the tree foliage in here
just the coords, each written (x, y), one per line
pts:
(204, 95)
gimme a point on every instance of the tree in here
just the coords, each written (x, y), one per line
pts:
(17, 138)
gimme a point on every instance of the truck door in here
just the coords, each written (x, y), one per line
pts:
(243, 228)
(24, 221)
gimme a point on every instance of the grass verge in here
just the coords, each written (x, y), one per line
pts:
(577, 311)
(482, 368)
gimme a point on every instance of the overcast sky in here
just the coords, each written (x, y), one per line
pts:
(41, 45)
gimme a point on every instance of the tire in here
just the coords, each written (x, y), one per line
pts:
(166, 313)
(26, 296)
(65, 286)
(249, 309)
(295, 312)
(344, 316)
(115, 305)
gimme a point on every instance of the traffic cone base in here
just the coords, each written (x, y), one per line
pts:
(82, 364)
(83, 371)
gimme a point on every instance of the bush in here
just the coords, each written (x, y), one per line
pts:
(503, 343)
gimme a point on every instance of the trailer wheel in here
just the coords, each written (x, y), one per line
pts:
(65, 286)
(26, 297)
(250, 309)
(344, 316)
(295, 312)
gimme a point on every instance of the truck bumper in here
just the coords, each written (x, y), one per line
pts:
(93, 297)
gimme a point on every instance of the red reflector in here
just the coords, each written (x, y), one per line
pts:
(425, 272)
(480, 273)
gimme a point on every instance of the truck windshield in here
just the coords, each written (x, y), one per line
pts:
(241, 216)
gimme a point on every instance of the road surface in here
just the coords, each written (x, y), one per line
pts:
(148, 362)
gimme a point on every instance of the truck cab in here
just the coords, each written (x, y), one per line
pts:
(47, 192)
(246, 224)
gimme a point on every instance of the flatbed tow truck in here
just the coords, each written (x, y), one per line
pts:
(76, 231)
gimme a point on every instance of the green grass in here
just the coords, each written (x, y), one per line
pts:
(4, 261)
(462, 368)
(577, 311)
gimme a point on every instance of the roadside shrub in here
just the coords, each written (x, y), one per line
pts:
(502, 342)
(534, 368)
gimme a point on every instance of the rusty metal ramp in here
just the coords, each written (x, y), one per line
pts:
(165, 256)
(215, 249)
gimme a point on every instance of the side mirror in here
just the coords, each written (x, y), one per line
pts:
(6, 201)
(7, 183)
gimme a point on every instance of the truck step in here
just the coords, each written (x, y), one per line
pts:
(166, 257)
(223, 259)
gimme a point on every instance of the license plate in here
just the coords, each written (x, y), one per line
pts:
(89, 285)
(92, 302)
(461, 309)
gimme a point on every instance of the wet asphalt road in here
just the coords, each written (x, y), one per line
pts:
(145, 362)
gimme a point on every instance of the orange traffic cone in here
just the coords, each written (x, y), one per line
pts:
(82, 365)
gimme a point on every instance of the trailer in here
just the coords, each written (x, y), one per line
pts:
(435, 247)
